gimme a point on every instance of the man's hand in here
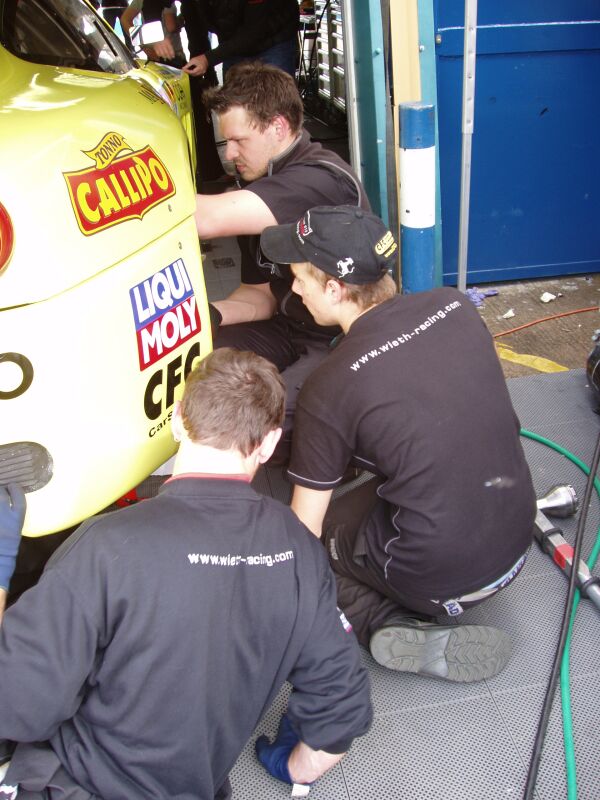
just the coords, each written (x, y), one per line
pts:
(274, 757)
(164, 49)
(196, 66)
(12, 515)
(215, 319)
(292, 761)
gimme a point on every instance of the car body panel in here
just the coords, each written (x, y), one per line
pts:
(103, 306)
(60, 128)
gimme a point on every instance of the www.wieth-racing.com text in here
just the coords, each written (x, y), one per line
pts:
(405, 336)
(262, 559)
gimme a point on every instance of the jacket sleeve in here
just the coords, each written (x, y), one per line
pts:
(330, 703)
(196, 27)
(48, 645)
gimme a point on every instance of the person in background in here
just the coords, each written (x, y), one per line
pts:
(152, 11)
(111, 10)
(210, 175)
(163, 11)
(158, 635)
(414, 393)
(247, 30)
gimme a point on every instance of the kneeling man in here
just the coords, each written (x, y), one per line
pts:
(415, 394)
(159, 634)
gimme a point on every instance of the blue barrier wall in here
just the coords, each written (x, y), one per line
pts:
(535, 181)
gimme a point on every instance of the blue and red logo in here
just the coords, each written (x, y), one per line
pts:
(165, 313)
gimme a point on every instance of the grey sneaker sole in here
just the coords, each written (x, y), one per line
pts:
(461, 653)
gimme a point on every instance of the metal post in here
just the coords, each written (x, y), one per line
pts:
(350, 80)
(468, 114)
(417, 196)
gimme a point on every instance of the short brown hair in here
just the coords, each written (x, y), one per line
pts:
(232, 400)
(363, 295)
(263, 90)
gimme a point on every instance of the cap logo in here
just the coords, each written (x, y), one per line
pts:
(303, 228)
(386, 245)
(345, 266)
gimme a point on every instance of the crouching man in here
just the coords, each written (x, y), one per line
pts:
(158, 635)
(414, 392)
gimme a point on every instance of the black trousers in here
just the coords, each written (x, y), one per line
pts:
(40, 775)
(294, 354)
(362, 592)
(366, 598)
(209, 166)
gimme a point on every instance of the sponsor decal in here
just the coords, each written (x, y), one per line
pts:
(25, 378)
(123, 184)
(160, 389)
(345, 266)
(303, 228)
(165, 316)
(344, 620)
(165, 313)
(149, 93)
(386, 245)
(453, 608)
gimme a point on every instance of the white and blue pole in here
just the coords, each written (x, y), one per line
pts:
(417, 196)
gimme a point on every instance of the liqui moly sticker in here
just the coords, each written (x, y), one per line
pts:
(165, 313)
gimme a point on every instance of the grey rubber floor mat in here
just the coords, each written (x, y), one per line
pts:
(433, 740)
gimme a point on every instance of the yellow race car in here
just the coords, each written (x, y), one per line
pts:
(103, 307)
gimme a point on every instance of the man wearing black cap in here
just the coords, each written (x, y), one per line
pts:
(414, 392)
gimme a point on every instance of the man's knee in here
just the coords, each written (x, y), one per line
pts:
(263, 338)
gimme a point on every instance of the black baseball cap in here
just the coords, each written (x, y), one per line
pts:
(347, 242)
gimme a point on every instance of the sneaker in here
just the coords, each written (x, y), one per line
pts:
(462, 653)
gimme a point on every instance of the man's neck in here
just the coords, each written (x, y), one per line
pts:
(350, 313)
(194, 458)
(286, 149)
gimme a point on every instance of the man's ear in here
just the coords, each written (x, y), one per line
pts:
(334, 290)
(268, 445)
(177, 428)
(281, 126)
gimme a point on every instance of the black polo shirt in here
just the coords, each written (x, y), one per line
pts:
(415, 390)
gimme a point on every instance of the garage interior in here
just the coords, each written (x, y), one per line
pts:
(431, 740)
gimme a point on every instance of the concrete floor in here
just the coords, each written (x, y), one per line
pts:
(561, 342)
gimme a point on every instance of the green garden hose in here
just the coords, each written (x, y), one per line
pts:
(564, 671)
